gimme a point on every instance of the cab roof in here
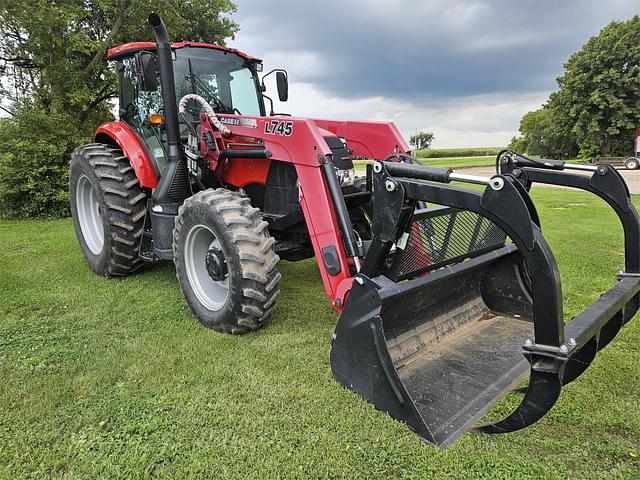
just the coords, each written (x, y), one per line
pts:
(127, 49)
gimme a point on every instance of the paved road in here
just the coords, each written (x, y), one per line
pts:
(632, 177)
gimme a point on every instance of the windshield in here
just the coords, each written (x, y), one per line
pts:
(221, 78)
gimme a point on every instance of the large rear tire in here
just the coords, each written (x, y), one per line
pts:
(225, 261)
(108, 208)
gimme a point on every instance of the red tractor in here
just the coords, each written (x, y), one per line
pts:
(447, 296)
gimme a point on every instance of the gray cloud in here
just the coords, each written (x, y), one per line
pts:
(423, 51)
(466, 70)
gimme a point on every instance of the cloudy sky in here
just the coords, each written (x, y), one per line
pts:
(465, 70)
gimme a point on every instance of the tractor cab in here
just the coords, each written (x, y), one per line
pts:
(226, 78)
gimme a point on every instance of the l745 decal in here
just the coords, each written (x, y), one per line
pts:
(279, 127)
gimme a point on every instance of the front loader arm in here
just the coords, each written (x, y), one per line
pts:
(367, 139)
(300, 142)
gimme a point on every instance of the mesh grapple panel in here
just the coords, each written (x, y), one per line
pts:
(441, 235)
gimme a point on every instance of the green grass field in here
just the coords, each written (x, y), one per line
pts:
(116, 379)
(460, 162)
(458, 152)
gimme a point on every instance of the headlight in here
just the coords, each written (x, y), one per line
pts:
(346, 177)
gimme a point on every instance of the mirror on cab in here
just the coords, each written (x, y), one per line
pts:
(283, 85)
(147, 66)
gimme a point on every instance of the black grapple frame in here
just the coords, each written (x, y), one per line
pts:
(456, 302)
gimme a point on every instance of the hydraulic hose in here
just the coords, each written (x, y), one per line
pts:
(224, 130)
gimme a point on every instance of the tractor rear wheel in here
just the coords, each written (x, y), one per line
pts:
(225, 261)
(108, 207)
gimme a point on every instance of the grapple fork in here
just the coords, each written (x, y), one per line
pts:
(457, 302)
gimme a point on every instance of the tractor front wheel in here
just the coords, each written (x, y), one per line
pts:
(225, 261)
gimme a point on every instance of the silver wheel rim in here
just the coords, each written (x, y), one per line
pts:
(88, 213)
(211, 294)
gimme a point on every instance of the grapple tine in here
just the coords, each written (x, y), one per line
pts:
(610, 330)
(580, 361)
(542, 393)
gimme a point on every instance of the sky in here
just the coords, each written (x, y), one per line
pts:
(465, 70)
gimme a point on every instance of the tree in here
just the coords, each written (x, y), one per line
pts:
(597, 107)
(34, 163)
(421, 140)
(601, 88)
(53, 69)
(545, 133)
(54, 52)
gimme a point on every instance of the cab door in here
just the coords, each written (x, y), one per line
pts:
(136, 104)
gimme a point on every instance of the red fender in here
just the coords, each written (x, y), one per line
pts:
(133, 148)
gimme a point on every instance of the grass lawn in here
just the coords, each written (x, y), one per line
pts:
(460, 162)
(115, 378)
(457, 152)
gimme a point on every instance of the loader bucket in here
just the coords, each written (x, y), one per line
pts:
(459, 302)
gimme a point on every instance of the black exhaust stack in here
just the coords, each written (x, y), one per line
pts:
(174, 186)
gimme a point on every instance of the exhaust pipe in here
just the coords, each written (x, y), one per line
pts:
(168, 87)
(174, 185)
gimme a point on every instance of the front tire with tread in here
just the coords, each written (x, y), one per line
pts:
(248, 250)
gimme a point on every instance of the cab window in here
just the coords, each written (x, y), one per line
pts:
(135, 107)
